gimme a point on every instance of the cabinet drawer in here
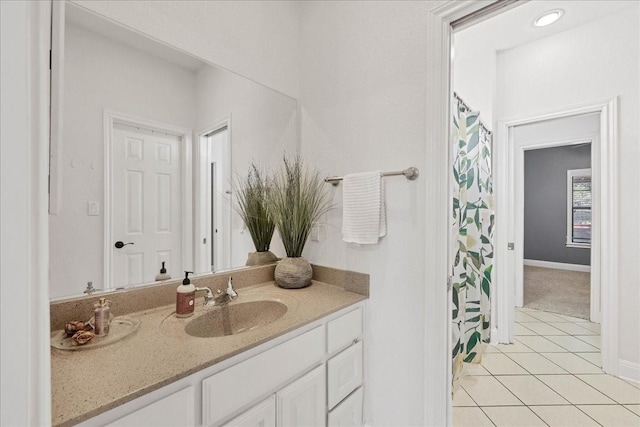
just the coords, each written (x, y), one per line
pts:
(343, 330)
(177, 409)
(261, 415)
(241, 384)
(344, 374)
(348, 413)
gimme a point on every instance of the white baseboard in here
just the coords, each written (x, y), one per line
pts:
(629, 371)
(558, 265)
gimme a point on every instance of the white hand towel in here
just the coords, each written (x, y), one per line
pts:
(364, 219)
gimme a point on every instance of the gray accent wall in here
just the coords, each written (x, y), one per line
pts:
(545, 203)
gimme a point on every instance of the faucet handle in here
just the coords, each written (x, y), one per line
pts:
(230, 291)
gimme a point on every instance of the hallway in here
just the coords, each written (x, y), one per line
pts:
(549, 376)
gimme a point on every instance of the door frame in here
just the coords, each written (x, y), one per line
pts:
(437, 336)
(517, 159)
(604, 173)
(202, 264)
(110, 118)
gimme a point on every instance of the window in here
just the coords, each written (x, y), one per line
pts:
(579, 208)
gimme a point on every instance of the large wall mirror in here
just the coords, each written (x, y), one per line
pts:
(146, 141)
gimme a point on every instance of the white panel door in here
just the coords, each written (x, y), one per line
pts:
(303, 403)
(146, 205)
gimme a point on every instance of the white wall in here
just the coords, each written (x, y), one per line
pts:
(363, 96)
(474, 74)
(15, 211)
(257, 39)
(596, 61)
(142, 86)
(24, 307)
(563, 129)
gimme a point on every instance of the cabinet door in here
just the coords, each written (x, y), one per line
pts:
(349, 412)
(261, 415)
(175, 410)
(302, 403)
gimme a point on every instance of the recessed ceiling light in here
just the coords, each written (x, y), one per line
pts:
(548, 18)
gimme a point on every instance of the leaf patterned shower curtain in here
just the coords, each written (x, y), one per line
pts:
(473, 224)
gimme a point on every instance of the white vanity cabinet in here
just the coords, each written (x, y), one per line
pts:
(312, 376)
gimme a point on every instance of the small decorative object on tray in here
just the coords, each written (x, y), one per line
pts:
(75, 326)
(84, 337)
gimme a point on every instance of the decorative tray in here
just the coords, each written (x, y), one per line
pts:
(119, 328)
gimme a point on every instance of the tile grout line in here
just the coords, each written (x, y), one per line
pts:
(535, 376)
(567, 372)
(580, 379)
(514, 395)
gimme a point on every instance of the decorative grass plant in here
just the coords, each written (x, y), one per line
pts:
(297, 199)
(251, 194)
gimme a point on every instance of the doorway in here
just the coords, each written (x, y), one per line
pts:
(213, 245)
(552, 190)
(603, 245)
(557, 230)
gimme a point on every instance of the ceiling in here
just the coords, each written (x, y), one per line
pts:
(515, 27)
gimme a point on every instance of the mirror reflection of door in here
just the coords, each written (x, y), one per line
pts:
(146, 204)
(212, 222)
(217, 206)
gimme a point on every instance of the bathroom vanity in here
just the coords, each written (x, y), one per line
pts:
(304, 367)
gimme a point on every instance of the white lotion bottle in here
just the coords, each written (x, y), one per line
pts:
(185, 297)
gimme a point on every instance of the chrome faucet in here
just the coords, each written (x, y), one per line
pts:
(209, 299)
(220, 298)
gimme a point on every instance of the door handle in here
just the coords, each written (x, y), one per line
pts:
(119, 244)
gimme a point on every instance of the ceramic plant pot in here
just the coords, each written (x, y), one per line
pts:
(261, 258)
(293, 273)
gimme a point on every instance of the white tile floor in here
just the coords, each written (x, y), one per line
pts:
(549, 376)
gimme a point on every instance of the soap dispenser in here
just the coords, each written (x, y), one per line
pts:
(163, 274)
(101, 313)
(185, 297)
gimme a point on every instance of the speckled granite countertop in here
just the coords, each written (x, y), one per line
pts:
(160, 352)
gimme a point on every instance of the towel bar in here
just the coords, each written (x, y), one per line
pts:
(411, 174)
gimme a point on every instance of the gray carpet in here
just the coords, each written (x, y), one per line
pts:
(558, 291)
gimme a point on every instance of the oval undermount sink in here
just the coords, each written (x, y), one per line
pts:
(235, 319)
